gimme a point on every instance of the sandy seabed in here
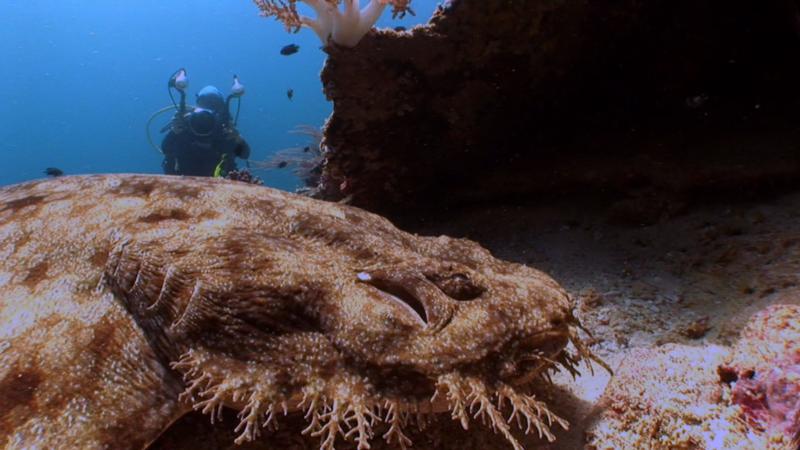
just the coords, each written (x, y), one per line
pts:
(693, 279)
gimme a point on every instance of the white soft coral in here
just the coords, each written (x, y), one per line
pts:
(351, 25)
(344, 27)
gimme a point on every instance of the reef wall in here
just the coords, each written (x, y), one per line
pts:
(525, 100)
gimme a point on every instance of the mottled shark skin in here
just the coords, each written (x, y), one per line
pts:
(128, 300)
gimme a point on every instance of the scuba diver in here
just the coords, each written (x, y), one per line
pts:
(202, 139)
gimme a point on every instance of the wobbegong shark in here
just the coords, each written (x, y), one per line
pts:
(127, 301)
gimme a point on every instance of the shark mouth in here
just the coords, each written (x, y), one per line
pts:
(343, 406)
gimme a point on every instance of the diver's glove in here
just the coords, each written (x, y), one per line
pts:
(242, 149)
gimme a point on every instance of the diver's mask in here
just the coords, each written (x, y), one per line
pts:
(202, 122)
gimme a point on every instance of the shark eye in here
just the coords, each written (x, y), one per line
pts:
(397, 293)
(457, 286)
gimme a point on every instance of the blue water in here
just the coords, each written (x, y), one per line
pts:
(79, 79)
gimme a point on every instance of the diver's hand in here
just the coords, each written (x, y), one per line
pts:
(242, 150)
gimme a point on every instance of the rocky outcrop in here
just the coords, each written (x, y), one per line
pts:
(515, 99)
(676, 396)
(765, 370)
(668, 397)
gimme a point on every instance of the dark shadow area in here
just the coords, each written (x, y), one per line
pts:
(523, 101)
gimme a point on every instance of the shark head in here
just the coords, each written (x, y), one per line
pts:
(267, 303)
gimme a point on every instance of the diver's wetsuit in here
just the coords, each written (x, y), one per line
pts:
(188, 154)
(198, 140)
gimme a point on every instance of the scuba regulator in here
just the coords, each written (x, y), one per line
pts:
(212, 114)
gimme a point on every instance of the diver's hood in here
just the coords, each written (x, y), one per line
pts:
(211, 98)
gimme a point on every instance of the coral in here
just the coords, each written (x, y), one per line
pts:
(771, 399)
(679, 397)
(345, 27)
(129, 301)
(770, 335)
(243, 175)
(765, 372)
(668, 398)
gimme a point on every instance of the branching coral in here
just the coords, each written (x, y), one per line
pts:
(345, 27)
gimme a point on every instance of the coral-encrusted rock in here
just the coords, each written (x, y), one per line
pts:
(766, 368)
(770, 335)
(668, 398)
(510, 98)
(680, 397)
(412, 111)
(117, 293)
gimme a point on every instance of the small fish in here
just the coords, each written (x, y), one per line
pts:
(290, 94)
(282, 164)
(306, 149)
(53, 172)
(400, 28)
(290, 49)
